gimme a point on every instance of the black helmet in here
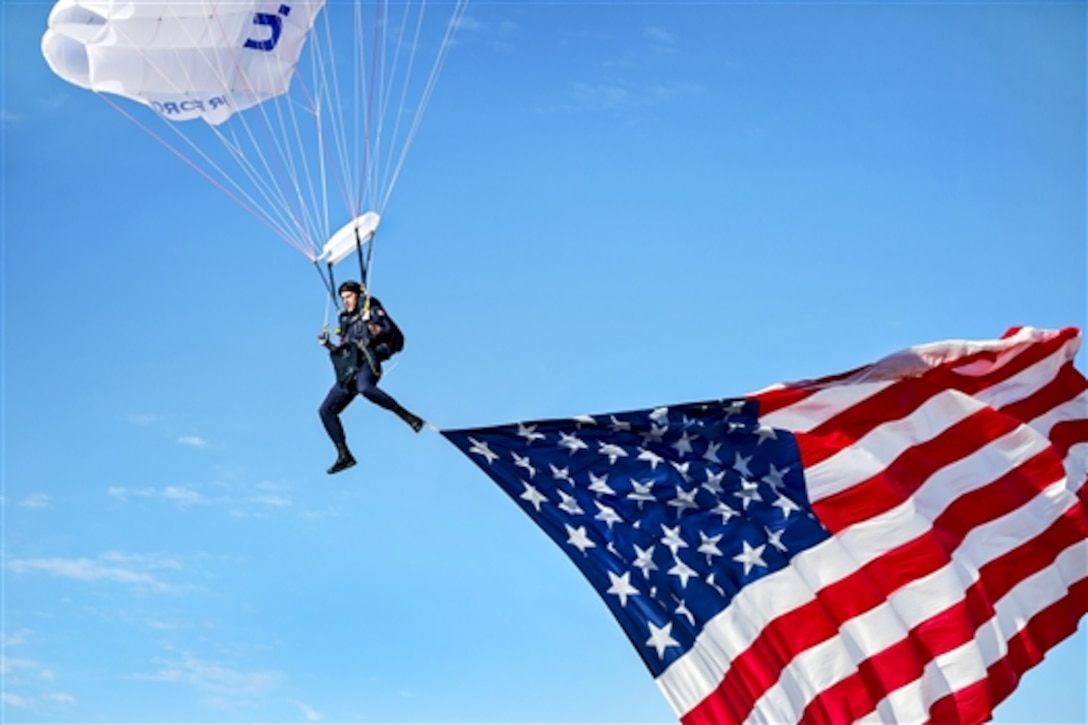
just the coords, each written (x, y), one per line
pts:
(351, 286)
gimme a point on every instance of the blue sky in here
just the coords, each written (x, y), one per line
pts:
(609, 206)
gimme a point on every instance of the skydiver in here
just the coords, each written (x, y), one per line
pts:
(367, 338)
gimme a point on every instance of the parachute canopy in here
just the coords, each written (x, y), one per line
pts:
(196, 59)
(310, 106)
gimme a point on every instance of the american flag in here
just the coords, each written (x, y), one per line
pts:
(899, 543)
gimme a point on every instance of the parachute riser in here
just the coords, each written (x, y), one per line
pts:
(328, 277)
(364, 265)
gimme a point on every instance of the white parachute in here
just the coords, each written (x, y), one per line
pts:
(301, 111)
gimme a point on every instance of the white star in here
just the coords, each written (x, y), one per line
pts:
(528, 432)
(578, 538)
(581, 420)
(735, 407)
(684, 500)
(787, 505)
(683, 444)
(661, 638)
(644, 559)
(570, 504)
(621, 587)
(652, 458)
(481, 448)
(672, 539)
(774, 478)
(709, 546)
(655, 435)
(642, 492)
(711, 454)
(608, 515)
(741, 465)
(574, 443)
(742, 427)
(764, 433)
(682, 469)
(683, 571)
(749, 492)
(750, 557)
(714, 482)
(533, 496)
(774, 538)
(618, 425)
(612, 451)
(561, 474)
(682, 608)
(523, 462)
(725, 511)
(710, 582)
(658, 413)
(599, 484)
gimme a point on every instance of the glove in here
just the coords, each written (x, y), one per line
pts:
(323, 337)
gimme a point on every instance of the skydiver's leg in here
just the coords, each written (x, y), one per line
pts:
(330, 411)
(367, 384)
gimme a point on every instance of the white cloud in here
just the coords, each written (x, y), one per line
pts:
(658, 36)
(17, 701)
(183, 495)
(211, 678)
(17, 638)
(62, 697)
(90, 570)
(36, 501)
(194, 441)
(13, 665)
(308, 712)
(619, 95)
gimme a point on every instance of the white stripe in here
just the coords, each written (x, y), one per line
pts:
(1076, 467)
(872, 453)
(807, 676)
(978, 470)
(995, 538)
(1027, 382)
(967, 664)
(820, 407)
(1069, 411)
(1031, 596)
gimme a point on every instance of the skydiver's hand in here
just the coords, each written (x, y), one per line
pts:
(323, 337)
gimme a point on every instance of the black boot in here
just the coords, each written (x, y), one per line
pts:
(344, 459)
(410, 418)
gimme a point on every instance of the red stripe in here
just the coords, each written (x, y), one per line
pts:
(1002, 496)
(1026, 355)
(1067, 434)
(1025, 650)
(907, 473)
(999, 576)
(1065, 387)
(1024, 358)
(895, 667)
